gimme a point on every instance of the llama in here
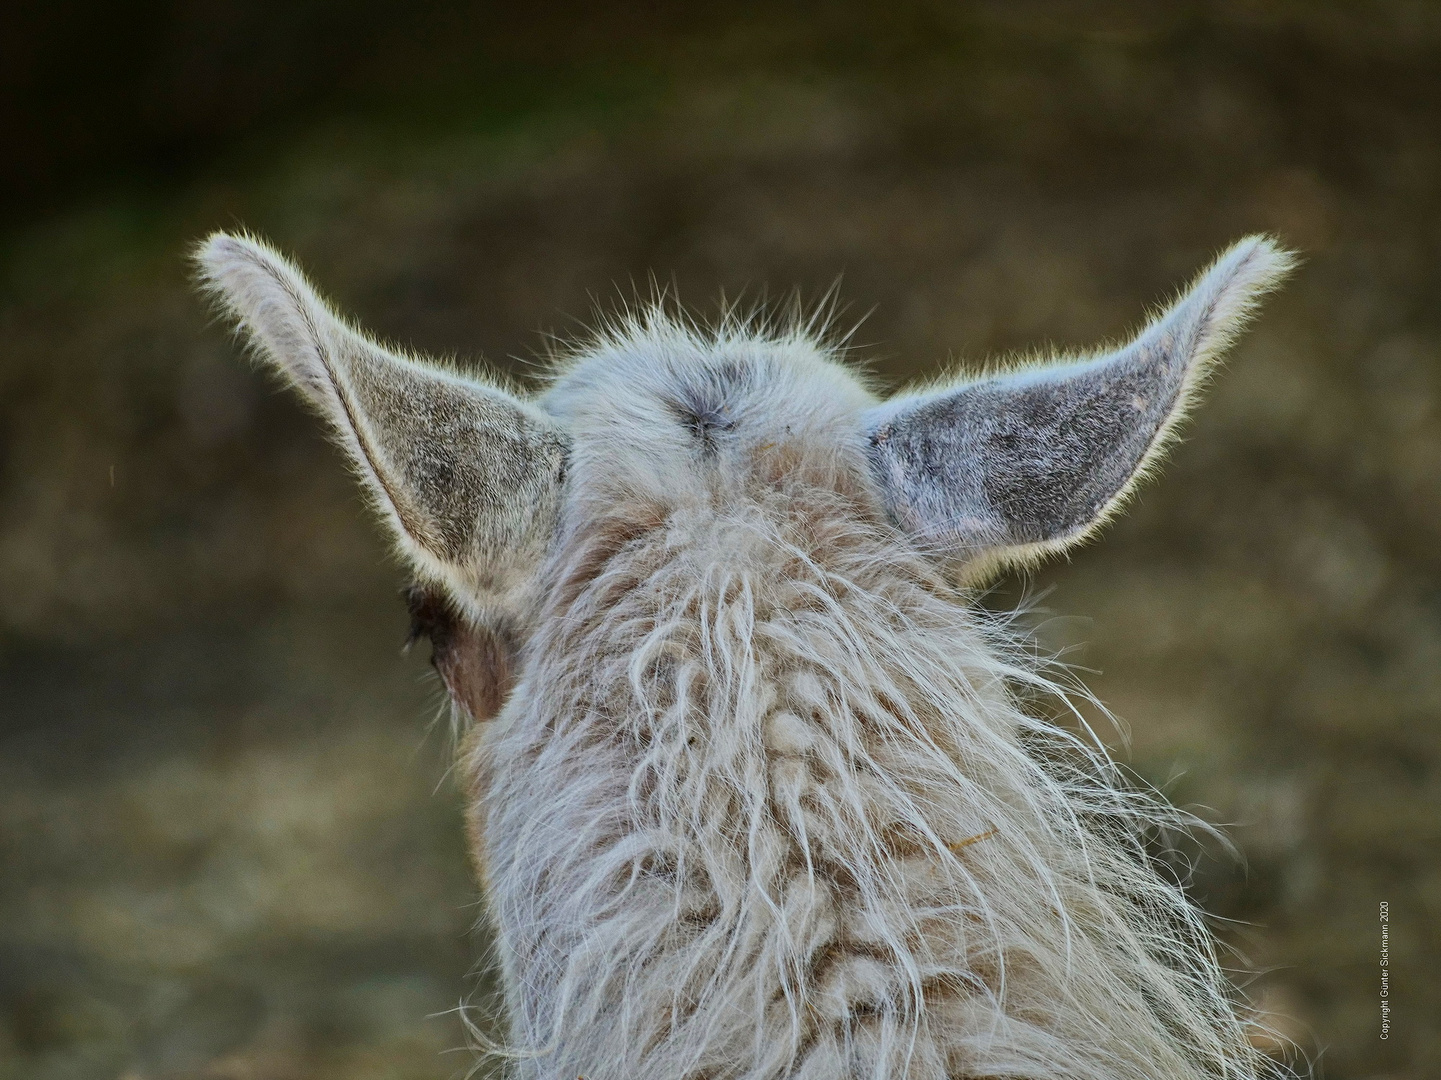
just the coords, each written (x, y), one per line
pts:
(754, 789)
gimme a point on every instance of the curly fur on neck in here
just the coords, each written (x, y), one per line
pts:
(767, 802)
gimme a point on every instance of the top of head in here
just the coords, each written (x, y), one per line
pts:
(477, 480)
(666, 413)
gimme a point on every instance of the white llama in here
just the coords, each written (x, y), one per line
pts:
(754, 791)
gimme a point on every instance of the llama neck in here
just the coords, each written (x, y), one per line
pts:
(780, 777)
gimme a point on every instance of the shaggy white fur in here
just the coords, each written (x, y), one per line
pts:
(769, 797)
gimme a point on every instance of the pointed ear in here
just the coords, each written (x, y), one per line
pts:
(468, 476)
(1029, 462)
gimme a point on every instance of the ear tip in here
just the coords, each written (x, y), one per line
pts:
(1259, 262)
(222, 255)
(260, 291)
(218, 245)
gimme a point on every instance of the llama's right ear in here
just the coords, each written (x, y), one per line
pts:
(468, 476)
(1013, 467)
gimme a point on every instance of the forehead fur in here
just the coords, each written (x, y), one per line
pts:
(664, 403)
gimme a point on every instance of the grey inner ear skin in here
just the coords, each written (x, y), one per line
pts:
(480, 470)
(1015, 464)
(1033, 460)
(469, 475)
(1072, 448)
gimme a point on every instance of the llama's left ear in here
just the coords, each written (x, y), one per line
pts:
(1019, 465)
(468, 476)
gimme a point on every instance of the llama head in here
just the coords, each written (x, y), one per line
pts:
(477, 482)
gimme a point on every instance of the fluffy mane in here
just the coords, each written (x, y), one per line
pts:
(769, 790)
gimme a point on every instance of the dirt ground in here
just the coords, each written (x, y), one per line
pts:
(229, 843)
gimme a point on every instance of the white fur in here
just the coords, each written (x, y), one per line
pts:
(771, 798)
(767, 802)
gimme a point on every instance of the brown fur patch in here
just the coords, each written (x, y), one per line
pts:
(476, 663)
(592, 551)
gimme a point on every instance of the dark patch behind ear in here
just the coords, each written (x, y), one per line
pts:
(477, 664)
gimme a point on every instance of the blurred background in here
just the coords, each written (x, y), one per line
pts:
(229, 845)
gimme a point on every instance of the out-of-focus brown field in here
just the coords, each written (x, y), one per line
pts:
(229, 844)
